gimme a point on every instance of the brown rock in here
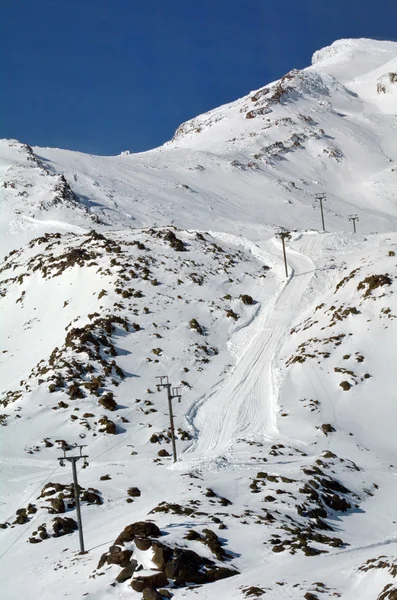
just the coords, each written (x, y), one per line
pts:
(58, 506)
(163, 453)
(149, 594)
(158, 579)
(186, 567)
(220, 573)
(107, 401)
(102, 561)
(137, 585)
(143, 543)
(91, 496)
(63, 526)
(158, 557)
(120, 558)
(140, 529)
(127, 572)
(212, 541)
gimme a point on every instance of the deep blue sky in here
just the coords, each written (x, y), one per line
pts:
(102, 76)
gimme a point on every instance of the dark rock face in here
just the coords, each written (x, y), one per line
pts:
(119, 558)
(108, 426)
(246, 299)
(143, 543)
(182, 565)
(161, 555)
(327, 428)
(213, 543)
(58, 505)
(107, 401)
(127, 572)
(163, 453)
(220, 573)
(141, 529)
(63, 526)
(149, 594)
(91, 496)
(186, 567)
(140, 583)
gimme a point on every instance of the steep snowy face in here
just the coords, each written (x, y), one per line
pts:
(277, 99)
(367, 67)
(354, 55)
(344, 62)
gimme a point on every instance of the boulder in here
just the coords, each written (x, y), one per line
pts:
(57, 506)
(152, 581)
(138, 529)
(63, 526)
(91, 496)
(149, 594)
(122, 558)
(220, 573)
(143, 543)
(102, 561)
(186, 566)
(127, 572)
(108, 402)
(163, 453)
(161, 555)
(212, 541)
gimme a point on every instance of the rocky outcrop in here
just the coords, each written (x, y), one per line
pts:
(182, 566)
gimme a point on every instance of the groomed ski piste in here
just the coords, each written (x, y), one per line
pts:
(247, 403)
(168, 263)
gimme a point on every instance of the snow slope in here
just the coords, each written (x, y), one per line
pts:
(248, 166)
(123, 269)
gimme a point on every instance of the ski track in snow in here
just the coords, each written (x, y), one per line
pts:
(246, 404)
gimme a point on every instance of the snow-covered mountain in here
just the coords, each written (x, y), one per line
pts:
(118, 270)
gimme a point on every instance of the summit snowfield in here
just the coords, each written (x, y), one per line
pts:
(118, 270)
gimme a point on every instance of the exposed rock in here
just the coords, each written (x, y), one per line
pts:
(327, 428)
(141, 582)
(63, 526)
(127, 572)
(121, 558)
(107, 401)
(212, 541)
(186, 567)
(108, 426)
(58, 506)
(149, 594)
(246, 299)
(143, 543)
(161, 555)
(140, 529)
(163, 453)
(220, 573)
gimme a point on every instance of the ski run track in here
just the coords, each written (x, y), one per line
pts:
(245, 404)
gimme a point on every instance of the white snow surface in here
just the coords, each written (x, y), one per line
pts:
(118, 270)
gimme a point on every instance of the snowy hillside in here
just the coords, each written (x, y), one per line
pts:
(247, 166)
(118, 270)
